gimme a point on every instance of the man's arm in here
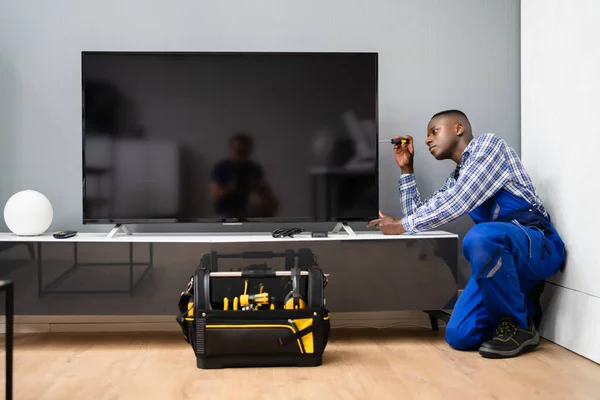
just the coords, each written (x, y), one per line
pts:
(486, 172)
(219, 187)
(268, 203)
(409, 196)
(219, 191)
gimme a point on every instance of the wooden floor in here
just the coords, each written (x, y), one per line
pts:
(358, 364)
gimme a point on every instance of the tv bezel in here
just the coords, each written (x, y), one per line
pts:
(216, 220)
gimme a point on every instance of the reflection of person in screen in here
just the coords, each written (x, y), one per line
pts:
(238, 187)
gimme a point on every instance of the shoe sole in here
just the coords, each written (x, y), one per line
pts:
(526, 345)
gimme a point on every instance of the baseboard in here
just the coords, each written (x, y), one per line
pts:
(569, 320)
(161, 323)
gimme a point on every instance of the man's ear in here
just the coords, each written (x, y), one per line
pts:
(460, 129)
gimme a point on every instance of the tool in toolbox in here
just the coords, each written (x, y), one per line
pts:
(269, 324)
(253, 301)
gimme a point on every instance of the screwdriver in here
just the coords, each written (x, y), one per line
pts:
(397, 141)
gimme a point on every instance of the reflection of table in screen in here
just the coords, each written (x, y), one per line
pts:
(326, 184)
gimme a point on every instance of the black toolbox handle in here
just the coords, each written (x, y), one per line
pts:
(305, 258)
(252, 255)
(258, 273)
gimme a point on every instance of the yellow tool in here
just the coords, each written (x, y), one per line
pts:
(235, 303)
(288, 302)
(260, 298)
(225, 304)
(261, 289)
(254, 301)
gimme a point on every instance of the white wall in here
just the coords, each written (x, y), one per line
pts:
(433, 55)
(560, 143)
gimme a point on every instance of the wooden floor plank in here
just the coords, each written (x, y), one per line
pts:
(358, 364)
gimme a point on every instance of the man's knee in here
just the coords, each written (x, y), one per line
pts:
(481, 243)
(462, 336)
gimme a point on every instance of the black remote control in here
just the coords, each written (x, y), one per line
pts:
(319, 234)
(283, 232)
(64, 234)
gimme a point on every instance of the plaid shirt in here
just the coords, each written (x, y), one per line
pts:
(488, 164)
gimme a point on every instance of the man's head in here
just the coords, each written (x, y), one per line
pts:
(448, 133)
(240, 147)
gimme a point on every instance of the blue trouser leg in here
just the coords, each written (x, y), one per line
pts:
(505, 267)
(469, 323)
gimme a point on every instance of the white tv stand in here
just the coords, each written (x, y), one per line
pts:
(407, 272)
(222, 237)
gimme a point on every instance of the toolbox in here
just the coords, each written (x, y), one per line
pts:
(256, 316)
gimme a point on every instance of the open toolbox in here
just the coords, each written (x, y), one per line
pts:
(257, 316)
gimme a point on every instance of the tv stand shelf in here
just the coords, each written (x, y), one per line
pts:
(144, 273)
(224, 237)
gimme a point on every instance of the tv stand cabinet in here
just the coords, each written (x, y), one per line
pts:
(144, 273)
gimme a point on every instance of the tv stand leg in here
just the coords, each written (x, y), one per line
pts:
(344, 226)
(116, 229)
(435, 315)
(434, 323)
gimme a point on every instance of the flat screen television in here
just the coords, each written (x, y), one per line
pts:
(229, 137)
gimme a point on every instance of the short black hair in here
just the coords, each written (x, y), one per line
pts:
(243, 138)
(450, 112)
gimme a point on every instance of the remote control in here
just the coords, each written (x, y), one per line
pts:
(64, 234)
(283, 232)
(319, 234)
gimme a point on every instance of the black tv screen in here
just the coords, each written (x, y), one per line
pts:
(215, 136)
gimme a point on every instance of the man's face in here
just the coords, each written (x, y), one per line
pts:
(240, 150)
(442, 136)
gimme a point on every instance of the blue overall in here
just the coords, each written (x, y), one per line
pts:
(511, 248)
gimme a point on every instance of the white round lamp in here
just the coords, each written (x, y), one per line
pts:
(28, 213)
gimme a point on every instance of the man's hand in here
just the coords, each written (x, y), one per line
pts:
(387, 225)
(404, 154)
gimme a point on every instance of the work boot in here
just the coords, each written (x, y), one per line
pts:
(510, 340)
